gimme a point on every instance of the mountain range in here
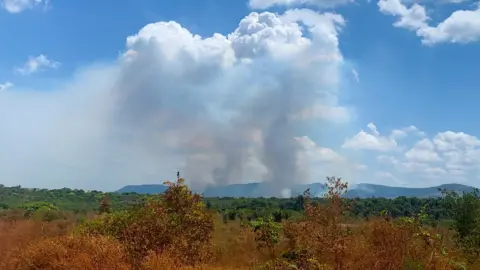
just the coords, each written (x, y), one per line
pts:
(316, 189)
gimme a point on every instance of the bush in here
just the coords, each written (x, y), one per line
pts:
(268, 233)
(69, 252)
(177, 223)
(465, 213)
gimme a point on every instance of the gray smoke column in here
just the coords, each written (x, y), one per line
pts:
(223, 109)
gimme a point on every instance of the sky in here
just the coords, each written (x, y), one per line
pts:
(98, 96)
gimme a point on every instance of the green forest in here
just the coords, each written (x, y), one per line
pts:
(81, 202)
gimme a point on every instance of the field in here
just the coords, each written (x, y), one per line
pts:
(73, 229)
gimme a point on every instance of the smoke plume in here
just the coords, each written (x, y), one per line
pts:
(222, 109)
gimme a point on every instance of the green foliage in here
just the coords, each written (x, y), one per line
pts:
(4, 206)
(32, 208)
(465, 213)
(47, 215)
(66, 199)
(268, 233)
(80, 201)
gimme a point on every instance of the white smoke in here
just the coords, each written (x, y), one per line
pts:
(222, 109)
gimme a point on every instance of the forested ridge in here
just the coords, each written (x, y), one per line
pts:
(80, 201)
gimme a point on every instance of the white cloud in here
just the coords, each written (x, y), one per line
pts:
(403, 133)
(447, 157)
(398, 134)
(418, 171)
(370, 141)
(443, 158)
(462, 26)
(5, 86)
(414, 130)
(318, 153)
(456, 141)
(264, 4)
(385, 159)
(218, 108)
(315, 162)
(373, 129)
(461, 151)
(36, 64)
(412, 18)
(423, 151)
(17, 6)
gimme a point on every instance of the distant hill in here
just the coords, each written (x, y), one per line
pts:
(316, 189)
(372, 190)
(233, 190)
(257, 190)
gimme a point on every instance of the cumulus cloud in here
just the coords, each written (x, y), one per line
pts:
(455, 141)
(461, 151)
(445, 158)
(264, 4)
(423, 151)
(462, 26)
(221, 108)
(36, 64)
(370, 141)
(17, 6)
(318, 153)
(319, 161)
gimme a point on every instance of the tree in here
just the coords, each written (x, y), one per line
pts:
(105, 205)
(268, 233)
(465, 212)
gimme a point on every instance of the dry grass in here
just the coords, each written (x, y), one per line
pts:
(376, 244)
(69, 252)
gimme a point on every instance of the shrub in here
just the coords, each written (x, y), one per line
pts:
(465, 213)
(69, 252)
(177, 223)
(268, 233)
(30, 209)
(320, 237)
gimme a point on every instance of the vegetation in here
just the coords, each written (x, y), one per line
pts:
(44, 229)
(82, 202)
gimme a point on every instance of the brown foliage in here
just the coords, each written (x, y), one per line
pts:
(69, 252)
(176, 223)
(176, 231)
(322, 241)
(16, 234)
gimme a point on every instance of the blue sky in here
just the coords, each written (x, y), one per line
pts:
(398, 105)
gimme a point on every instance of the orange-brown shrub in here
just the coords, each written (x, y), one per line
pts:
(321, 238)
(69, 252)
(405, 244)
(176, 223)
(19, 233)
(175, 231)
(323, 241)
